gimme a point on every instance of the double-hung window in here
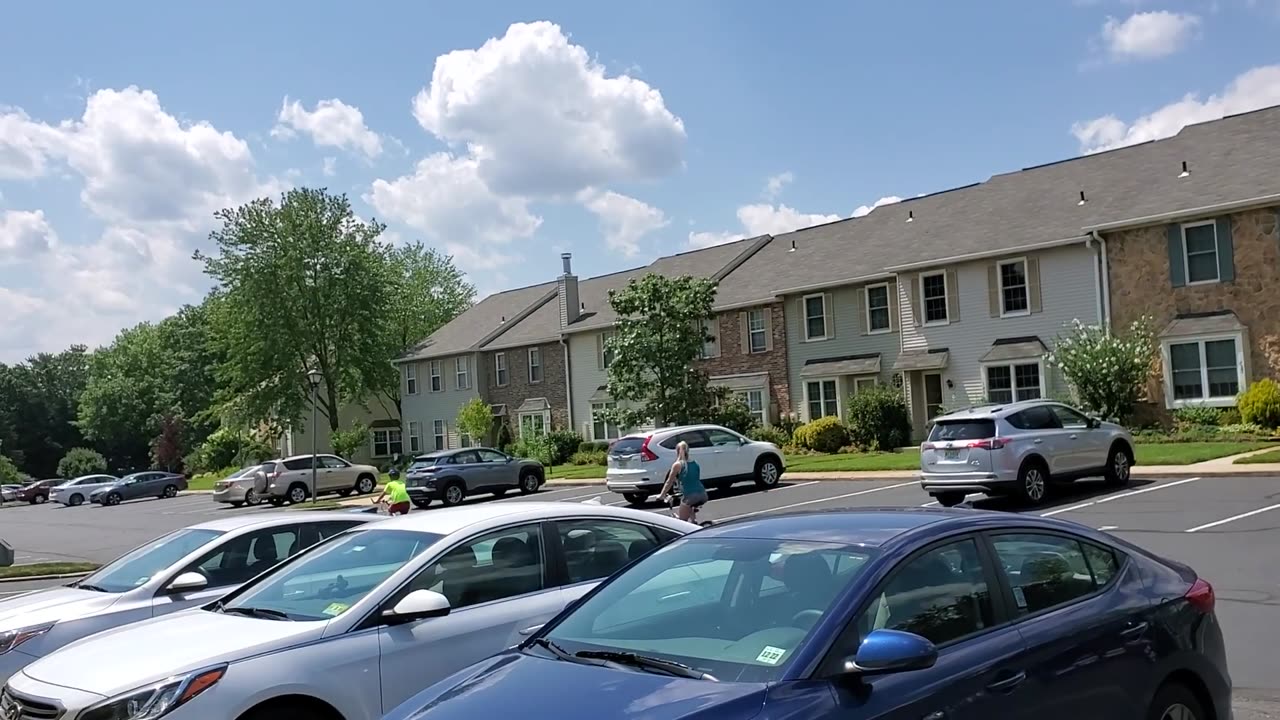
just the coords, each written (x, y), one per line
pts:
(535, 365)
(462, 372)
(500, 369)
(933, 298)
(815, 317)
(1205, 371)
(411, 378)
(387, 442)
(1200, 248)
(601, 428)
(821, 398)
(1015, 298)
(757, 334)
(1018, 381)
(437, 382)
(438, 434)
(878, 308)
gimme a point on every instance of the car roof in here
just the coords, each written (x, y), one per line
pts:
(446, 521)
(995, 410)
(241, 521)
(676, 429)
(451, 451)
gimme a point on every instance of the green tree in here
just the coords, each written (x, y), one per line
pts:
(9, 474)
(38, 403)
(346, 443)
(81, 461)
(302, 286)
(659, 336)
(476, 420)
(1107, 371)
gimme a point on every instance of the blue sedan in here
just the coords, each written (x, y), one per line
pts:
(895, 613)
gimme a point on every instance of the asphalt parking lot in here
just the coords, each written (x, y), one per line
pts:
(1228, 528)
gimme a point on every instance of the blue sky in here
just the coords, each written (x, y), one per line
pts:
(506, 135)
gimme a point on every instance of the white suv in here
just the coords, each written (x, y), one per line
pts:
(638, 464)
(1019, 449)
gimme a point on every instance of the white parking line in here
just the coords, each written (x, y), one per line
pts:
(575, 488)
(1109, 498)
(967, 498)
(1233, 518)
(588, 495)
(819, 500)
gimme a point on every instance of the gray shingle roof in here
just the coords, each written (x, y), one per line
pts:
(465, 332)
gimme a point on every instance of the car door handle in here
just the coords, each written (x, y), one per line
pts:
(1037, 441)
(1134, 631)
(1074, 436)
(531, 630)
(1007, 684)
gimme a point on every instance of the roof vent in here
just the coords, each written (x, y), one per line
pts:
(1185, 171)
(582, 306)
(911, 216)
(502, 320)
(793, 245)
(1082, 199)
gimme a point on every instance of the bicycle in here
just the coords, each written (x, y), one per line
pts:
(673, 501)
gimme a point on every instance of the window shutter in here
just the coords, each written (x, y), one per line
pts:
(860, 306)
(953, 297)
(744, 334)
(993, 289)
(829, 312)
(915, 299)
(1226, 253)
(1177, 262)
(1033, 285)
(894, 320)
(599, 351)
(768, 327)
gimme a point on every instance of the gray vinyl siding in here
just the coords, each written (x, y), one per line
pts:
(846, 306)
(1067, 292)
(426, 407)
(585, 377)
(374, 410)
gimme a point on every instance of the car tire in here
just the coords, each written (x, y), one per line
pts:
(1033, 482)
(422, 504)
(635, 499)
(950, 499)
(768, 472)
(75, 500)
(1119, 466)
(365, 485)
(529, 482)
(252, 498)
(1174, 701)
(454, 493)
(170, 492)
(112, 499)
(298, 494)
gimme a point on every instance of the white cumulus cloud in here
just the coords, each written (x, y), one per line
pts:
(1149, 35)
(761, 219)
(332, 123)
(24, 235)
(1253, 89)
(623, 220)
(775, 184)
(866, 209)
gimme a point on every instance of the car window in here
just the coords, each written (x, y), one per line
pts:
(336, 575)
(595, 549)
(953, 430)
(941, 595)
(491, 456)
(1069, 418)
(243, 557)
(704, 603)
(496, 566)
(466, 457)
(138, 566)
(629, 446)
(1039, 417)
(334, 462)
(329, 529)
(1046, 571)
(720, 438)
(695, 438)
(298, 464)
(423, 463)
(268, 468)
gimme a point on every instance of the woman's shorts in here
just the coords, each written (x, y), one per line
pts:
(399, 509)
(694, 500)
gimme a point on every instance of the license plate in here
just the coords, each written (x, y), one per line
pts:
(950, 454)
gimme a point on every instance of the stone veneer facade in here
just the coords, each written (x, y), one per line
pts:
(519, 388)
(733, 361)
(1140, 285)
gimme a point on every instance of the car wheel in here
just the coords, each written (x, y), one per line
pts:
(422, 504)
(636, 499)
(949, 499)
(297, 494)
(111, 499)
(768, 473)
(251, 498)
(39, 499)
(454, 494)
(1033, 482)
(1119, 466)
(365, 485)
(529, 482)
(75, 500)
(1175, 702)
(170, 491)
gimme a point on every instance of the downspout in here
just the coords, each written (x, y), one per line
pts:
(1104, 271)
(568, 386)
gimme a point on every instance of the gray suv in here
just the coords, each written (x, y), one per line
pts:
(452, 475)
(1020, 449)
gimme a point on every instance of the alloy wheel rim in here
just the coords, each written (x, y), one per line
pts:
(1035, 484)
(250, 497)
(1178, 711)
(170, 491)
(530, 482)
(770, 473)
(298, 495)
(1122, 466)
(455, 494)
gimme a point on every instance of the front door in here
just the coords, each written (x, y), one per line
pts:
(932, 396)
(500, 593)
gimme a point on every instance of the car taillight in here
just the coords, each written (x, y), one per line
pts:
(1201, 596)
(646, 455)
(988, 444)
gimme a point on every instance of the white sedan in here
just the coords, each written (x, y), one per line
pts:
(355, 625)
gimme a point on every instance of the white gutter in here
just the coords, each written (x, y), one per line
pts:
(568, 382)
(987, 254)
(1104, 270)
(1185, 213)
(768, 300)
(833, 284)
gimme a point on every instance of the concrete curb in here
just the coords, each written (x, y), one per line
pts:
(38, 578)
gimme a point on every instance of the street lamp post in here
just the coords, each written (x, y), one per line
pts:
(315, 377)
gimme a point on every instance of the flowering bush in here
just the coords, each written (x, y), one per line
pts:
(1106, 371)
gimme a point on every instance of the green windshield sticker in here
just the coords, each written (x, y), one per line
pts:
(336, 609)
(770, 655)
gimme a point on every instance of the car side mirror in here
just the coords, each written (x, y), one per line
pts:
(187, 582)
(891, 651)
(417, 605)
(1093, 422)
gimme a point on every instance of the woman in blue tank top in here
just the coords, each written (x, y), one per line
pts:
(685, 471)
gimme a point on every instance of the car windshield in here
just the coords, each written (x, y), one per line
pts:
(424, 462)
(138, 566)
(737, 609)
(326, 581)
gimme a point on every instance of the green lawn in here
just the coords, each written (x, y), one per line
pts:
(1190, 452)
(855, 462)
(576, 472)
(1271, 456)
(50, 568)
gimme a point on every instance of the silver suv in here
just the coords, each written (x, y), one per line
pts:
(1020, 449)
(290, 479)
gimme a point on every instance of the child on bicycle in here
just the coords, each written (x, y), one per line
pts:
(395, 495)
(693, 494)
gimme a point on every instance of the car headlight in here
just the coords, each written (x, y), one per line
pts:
(156, 700)
(10, 639)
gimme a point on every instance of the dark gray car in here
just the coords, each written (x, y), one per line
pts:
(139, 485)
(451, 476)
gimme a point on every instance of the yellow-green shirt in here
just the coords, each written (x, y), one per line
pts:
(396, 493)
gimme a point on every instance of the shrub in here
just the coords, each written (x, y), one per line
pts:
(735, 415)
(770, 435)
(564, 443)
(1260, 404)
(1107, 371)
(1194, 416)
(535, 448)
(81, 461)
(588, 457)
(878, 419)
(825, 434)
(9, 472)
(346, 443)
(1229, 416)
(225, 448)
(593, 445)
(788, 423)
(505, 440)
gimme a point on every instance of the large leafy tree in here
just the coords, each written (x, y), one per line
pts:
(38, 402)
(658, 338)
(303, 284)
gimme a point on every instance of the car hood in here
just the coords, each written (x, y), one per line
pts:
(51, 605)
(489, 688)
(155, 649)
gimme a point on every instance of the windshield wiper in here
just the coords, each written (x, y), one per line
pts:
(89, 586)
(264, 613)
(645, 662)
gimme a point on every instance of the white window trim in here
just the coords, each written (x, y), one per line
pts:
(411, 378)
(804, 317)
(820, 381)
(866, 298)
(1242, 380)
(415, 437)
(764, 331)
(538, 365)
(764, 403)
(601, 407)
(946, 297)
(546, 421)
(1013, 382)
(1026, 287)
(373, 442)
(435, 371)
(500, 369)
(443, 435)
(462, 377)
(1186, 257)
(862, 379)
